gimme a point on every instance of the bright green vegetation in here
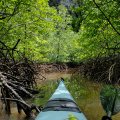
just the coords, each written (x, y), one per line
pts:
(47, 34)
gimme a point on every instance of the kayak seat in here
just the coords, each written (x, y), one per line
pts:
(61, 105)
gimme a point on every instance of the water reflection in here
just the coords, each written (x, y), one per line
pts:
(15, 116)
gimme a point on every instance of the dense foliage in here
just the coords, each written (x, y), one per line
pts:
(61, 30)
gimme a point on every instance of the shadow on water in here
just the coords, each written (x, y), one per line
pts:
(85, 92)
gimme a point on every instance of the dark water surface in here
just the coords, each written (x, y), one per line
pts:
(86, 94)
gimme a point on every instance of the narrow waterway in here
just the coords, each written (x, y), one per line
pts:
(85, 92)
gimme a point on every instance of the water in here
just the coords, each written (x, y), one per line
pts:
(86, 94)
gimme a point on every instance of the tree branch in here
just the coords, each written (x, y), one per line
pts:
(106, 18)
(16, 44)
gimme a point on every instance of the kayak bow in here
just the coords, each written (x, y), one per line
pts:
(60, 106)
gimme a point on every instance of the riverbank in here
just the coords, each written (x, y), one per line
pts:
(101, 69)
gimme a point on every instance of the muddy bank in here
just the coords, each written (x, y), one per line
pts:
(43, 76)
(56, 67)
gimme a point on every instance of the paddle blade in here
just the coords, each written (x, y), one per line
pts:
(110, 100)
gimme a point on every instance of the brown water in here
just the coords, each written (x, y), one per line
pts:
(88, 100)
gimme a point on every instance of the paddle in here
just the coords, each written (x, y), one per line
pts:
(110, 100)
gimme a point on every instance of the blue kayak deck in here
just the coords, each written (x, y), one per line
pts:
(61, 93)
(59, 115)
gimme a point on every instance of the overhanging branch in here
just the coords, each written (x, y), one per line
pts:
(106, 18)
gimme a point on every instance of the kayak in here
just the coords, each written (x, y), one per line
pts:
(61, 106)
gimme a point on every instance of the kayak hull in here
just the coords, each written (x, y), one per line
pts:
(61, 106)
